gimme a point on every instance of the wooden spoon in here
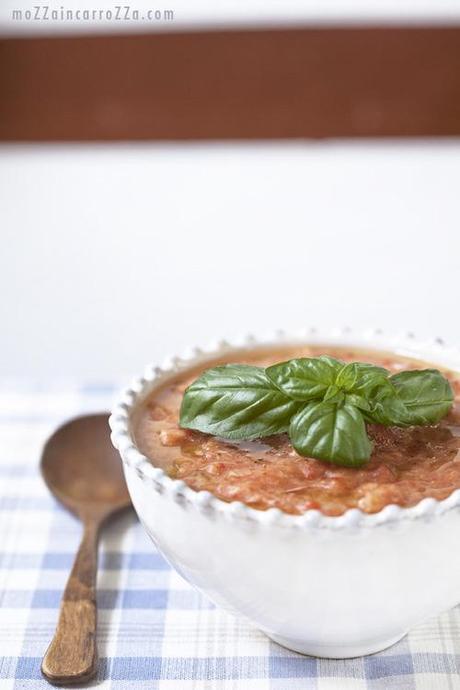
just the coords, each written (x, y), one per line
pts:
(84, 471)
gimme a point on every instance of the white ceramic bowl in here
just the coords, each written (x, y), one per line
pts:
(327, 586)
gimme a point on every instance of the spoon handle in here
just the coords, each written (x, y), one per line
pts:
(72, 654)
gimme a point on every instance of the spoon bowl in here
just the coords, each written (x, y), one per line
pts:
(84, 472)
(82, 468)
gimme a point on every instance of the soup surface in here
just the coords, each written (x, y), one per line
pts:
(406, 464)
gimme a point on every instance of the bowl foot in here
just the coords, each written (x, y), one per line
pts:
(336, 651)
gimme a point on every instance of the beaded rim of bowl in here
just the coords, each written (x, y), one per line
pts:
(178, 491)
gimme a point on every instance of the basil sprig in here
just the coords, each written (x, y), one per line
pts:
(321, 402)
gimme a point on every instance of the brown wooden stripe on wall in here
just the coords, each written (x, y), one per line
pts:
(309, 82)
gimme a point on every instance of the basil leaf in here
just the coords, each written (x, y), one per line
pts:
(357, 401)
(412, 398)
(305, 378)
(425, 396)
(389, 411)
(237, 402)
(331, 432)
(334, 394)
(369, 377)
(347, 376)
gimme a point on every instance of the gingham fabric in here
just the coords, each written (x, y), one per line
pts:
(155, 632)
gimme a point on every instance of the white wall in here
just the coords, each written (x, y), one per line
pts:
(112, 256)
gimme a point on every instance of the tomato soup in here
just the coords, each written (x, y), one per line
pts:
(406, 464)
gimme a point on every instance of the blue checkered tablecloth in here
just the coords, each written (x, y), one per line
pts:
(155, 632)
